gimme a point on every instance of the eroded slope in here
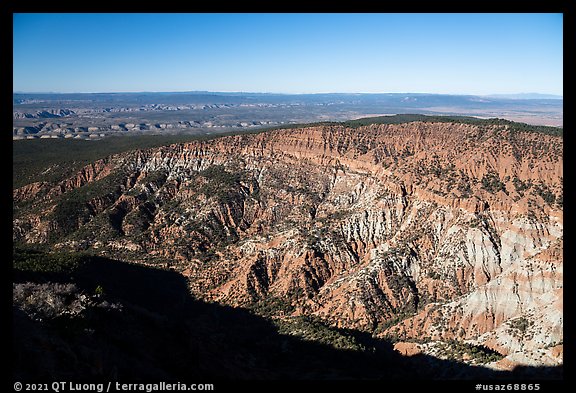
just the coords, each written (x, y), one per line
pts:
(433, 233)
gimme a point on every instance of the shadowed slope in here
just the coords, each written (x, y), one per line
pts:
(143, 325)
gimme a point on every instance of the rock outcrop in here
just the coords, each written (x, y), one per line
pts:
(418, 232)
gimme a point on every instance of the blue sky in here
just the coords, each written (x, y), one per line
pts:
(289, 53)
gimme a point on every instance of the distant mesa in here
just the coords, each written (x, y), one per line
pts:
(45, 114)
(528, 96)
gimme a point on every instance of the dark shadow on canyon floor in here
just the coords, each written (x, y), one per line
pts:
(161, 333)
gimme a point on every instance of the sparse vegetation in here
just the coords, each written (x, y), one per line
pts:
(464, 185)
(35, 259)
(520, 325)
(545, 193)
(99, 291)
(272, 306)
(407, 118)
(458, 350)
(314, 329)
(491, 182)
(221, 183)
(74, 207)
(155, 177)
(520, 185)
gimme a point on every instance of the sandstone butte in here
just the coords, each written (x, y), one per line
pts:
(419, 232)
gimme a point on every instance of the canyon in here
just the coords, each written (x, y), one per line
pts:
(442, 237)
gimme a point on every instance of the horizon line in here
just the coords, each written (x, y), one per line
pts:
(281, 93)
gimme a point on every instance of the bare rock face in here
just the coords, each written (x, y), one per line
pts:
(420, 232)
